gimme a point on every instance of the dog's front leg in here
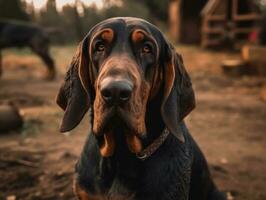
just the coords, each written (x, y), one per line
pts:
(81, 194)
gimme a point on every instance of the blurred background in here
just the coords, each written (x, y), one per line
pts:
(223, 46)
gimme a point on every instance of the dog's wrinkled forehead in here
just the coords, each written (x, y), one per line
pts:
(123, 27)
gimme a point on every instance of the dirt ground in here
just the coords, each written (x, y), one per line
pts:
(229, 123)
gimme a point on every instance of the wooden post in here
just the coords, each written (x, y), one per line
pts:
(234, 9)
(175, 20)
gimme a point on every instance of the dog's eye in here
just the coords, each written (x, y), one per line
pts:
(147, 48)
(99, 46)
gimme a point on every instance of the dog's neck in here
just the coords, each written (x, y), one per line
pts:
(123, 164)
(153, 120)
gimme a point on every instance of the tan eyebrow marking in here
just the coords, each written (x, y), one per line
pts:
(107, 34)
(138, 35)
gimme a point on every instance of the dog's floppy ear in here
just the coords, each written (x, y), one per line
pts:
(178, 98)
(74, 96)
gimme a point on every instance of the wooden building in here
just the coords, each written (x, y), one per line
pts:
(213, 22)
(185, 20)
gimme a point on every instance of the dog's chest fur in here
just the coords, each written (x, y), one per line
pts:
(133, 179)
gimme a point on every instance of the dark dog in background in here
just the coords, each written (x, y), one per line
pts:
(138, 92)
(18, 34)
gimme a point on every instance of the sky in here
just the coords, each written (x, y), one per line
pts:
(60, 3)
(263, 2)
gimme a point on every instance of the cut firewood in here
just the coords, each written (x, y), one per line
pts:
(253, 54)
(10, 119)
(255, 58)
(233, 67)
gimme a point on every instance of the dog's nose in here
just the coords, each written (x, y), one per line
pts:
(116, 92)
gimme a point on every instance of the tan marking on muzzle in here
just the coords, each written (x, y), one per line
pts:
(134, 143)
(108, 146)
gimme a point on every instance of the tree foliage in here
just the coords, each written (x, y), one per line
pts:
(49, 16)
(75, 20)
(157, 8)
(13, 9)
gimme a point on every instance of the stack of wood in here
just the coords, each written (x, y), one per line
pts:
(255, 58)
(10, 119)
(251, 62)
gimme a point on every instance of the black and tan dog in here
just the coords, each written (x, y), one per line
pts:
(138, 93)
(19, 34)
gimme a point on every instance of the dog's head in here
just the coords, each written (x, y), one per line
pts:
(118, 68)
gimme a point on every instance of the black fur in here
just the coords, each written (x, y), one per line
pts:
(20, 34)
(176, 171)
